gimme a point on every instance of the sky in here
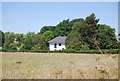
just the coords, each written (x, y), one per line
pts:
(119, 17)
(24, 17)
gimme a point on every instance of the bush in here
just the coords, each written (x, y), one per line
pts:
(89, 51)
(106, 51)
(114, 51)
(68, 51)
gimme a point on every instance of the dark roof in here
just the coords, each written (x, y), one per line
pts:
(60, 39)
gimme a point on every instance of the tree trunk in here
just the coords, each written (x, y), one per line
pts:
(95, 42)
(98, 47)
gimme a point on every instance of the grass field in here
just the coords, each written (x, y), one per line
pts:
(59, 66)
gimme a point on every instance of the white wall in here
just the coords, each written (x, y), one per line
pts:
(51, 46)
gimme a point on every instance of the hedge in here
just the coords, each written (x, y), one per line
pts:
(106, 51)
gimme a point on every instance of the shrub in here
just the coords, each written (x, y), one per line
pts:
(114, 51)
(106, 51)
(68, 51)
(89, 51)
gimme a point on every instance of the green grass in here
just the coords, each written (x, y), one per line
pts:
(19, 65)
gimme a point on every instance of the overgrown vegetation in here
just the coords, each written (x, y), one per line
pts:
(82, 35)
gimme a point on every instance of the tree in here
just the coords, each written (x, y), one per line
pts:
(82, 34)
(63, 28)
(71, 23)
(18, 41)
(88, 33)
(74, 39)
(88, 30)
(28, 41)
(106, 37)
(37, 38)
(47, 36)
(13, 41)
(2, 38)
(9, 38)
(37, 41)
(47, 28)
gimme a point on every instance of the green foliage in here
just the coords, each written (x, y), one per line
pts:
(2, 38)
(90, 35)
(9, 37)
(108, 51)
(71, 23)
(118, 45)
(36, 46)
(74, 41)
(47, 28)
(28, 41)
(13, 46)
(82, 35)
(3, 50)
(63, 28)
(89, 29)
(47, 36)
(36, 39)
(106, 37)
(84, 47)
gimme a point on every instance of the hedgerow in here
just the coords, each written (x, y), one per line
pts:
(105, 51)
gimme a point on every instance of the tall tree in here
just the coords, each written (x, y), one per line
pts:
(89, 31)
(63, 28)
(74, 39)
(72, 22)
(47, 28)
(106, 37)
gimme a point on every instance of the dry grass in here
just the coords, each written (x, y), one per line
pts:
(0, 66)
(59, 66)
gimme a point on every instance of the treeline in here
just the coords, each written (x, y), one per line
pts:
(82, 34)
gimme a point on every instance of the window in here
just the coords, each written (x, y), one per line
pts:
(55, 45)
(59, 44)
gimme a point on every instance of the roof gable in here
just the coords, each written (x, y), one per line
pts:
(59, 39)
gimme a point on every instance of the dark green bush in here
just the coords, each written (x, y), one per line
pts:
(68, 51)
(105, 51)
(114, 51)
(89, 51)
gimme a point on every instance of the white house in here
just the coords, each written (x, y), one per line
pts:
(57, 43)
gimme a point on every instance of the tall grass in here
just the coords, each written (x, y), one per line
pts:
(18, 65)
